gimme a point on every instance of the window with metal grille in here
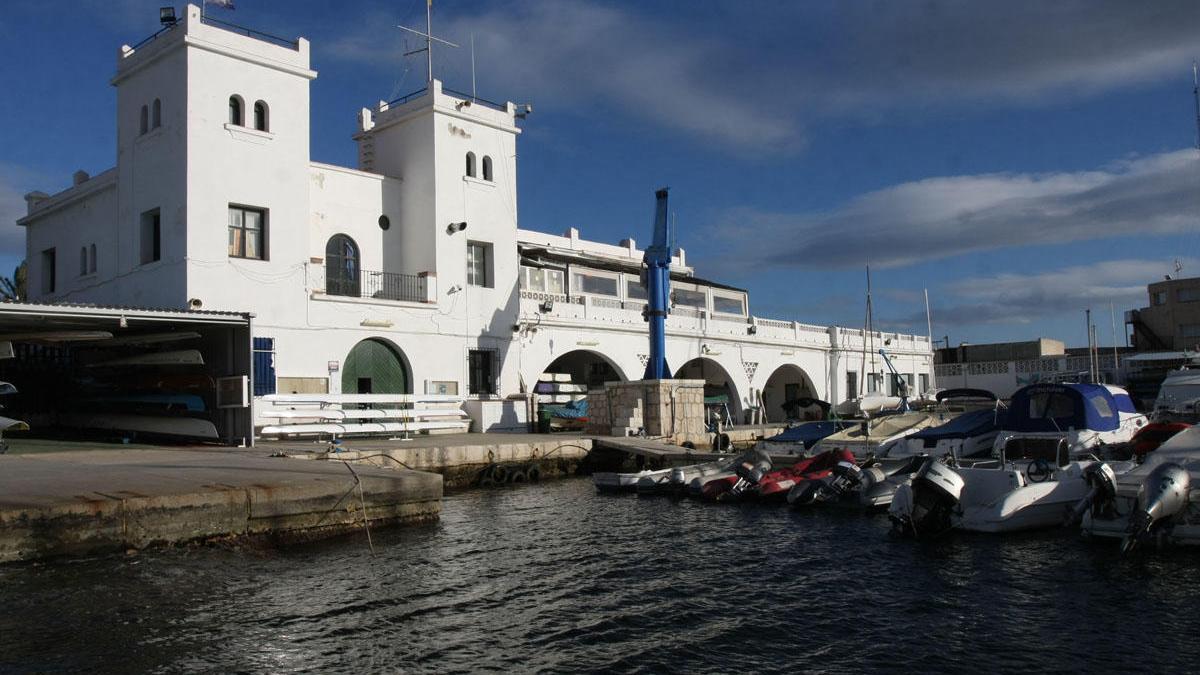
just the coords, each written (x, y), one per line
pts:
(264, 366)
(851, 384)
(481, 371)
(247, 233)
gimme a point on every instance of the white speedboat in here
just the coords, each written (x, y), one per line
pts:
(1012, 493)
(611, 481)
(970, 433)
(876, 436)
(1080, 418)
(1178, 396)
(1155, 504)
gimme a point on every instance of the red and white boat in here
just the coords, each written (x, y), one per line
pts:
(774, 485)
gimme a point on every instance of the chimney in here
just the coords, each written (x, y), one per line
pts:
(79, 177)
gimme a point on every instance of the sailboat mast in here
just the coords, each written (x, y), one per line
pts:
(929, 327)
(870, 322)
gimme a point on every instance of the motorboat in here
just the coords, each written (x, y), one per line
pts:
(1083, 417)
(870, 404)
(969, 434)
(1015, 492)
(800, 438)
(1153, 505)
(773, 485)
(876, 436)
(1178, 396)
(870, 485)
(670, 480)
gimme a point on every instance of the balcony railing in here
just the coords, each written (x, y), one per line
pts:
(379, 285)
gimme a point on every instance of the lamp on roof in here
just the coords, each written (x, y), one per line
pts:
(166, 16)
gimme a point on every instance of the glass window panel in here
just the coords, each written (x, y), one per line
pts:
(728, 305)
(235, 217)
(634, 290)
(686, 298)
(595, 285)
(254, 243)
(253, 220)
(235, 242)
(554, 281)
(537, 279)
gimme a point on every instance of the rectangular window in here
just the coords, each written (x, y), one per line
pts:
(92, 259)
(49, 274)
(83, 268)
(686, 298)
(1187, 294)
(481, 371)
(1189, 329)
(264, 366)
(873, 381)
(634, 290)
(247, 233)
(1159, 298)
(851, 384)
(726, 304)
(541, 280)
(593, 284)
(151, 237)
(924, 382)
(479, 263)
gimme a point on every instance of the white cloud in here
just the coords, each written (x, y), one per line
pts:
(752, 80)
(1027, 298)
(946, 216)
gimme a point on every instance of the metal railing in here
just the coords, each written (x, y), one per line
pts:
(377, 285)
(250, 32)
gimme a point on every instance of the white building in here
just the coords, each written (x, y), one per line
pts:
(406, 274)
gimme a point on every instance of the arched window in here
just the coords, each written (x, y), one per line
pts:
(471, 164)
(487, 168)
(235, 110)
(156, 115)
(341, 266)
(144, 126)
(260, 116)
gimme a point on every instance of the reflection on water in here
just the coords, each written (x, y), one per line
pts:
(554, 577)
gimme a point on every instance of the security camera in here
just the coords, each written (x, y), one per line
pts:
(456, 227)
(195, 303)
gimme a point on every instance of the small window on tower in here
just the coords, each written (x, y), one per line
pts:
(235, 110)
(260, 116)
(471, 164)
(144, 124)
(487, 168)
(156, 114)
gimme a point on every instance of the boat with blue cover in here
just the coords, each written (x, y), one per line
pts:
(798, 439)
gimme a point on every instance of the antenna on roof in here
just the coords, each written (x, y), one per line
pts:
(429, 40)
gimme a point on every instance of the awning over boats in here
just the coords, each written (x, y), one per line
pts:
(966, 425)
(1050, 408)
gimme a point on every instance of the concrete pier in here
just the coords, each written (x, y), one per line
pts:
(95, 500)
(459, 458)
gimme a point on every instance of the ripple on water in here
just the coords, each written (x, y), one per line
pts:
(554, 577)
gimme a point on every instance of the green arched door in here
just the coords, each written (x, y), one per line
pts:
(374, 367)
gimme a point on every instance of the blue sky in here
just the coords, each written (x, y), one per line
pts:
(1021, 160)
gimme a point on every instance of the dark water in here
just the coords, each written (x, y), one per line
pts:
(556, 578)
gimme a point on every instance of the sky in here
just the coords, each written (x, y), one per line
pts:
(1021, 161)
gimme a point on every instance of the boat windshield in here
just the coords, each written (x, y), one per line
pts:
(1051, 405)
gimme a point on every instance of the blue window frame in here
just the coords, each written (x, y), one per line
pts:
(264, 366)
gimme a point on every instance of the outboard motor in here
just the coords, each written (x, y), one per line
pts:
(750, 470)
(1102, 488)
(1163, 495)
(843, 478)
(936, 491)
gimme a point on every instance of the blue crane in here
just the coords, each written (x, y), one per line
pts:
(657, 280)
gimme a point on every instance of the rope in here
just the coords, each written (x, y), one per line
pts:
(362, 500)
